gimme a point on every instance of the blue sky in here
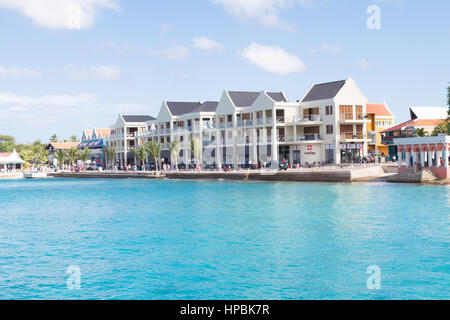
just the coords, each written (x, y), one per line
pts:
(66, 65)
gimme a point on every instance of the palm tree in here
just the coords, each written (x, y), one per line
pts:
(85, 155)
(54, 138)
(420, 132)
(141, 154)
(73, 139)
(154, 149)
(196, 149)
(441, 128)
(61, 156)
(174, 149)
(73, 156)
(110, 153)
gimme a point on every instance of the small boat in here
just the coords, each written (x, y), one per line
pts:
(34, 175)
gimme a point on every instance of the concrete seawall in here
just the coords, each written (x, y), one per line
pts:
(305, 175)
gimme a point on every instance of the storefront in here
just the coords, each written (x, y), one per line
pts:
(351, 152)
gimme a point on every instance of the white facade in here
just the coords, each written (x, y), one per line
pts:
(123, 135)
(269, 128)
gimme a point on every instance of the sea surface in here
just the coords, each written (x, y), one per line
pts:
(142, 239)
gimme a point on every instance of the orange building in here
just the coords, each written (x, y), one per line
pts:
(381, 118)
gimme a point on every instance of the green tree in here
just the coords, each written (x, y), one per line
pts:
(73, 139)
(196, 149)
(61, 156)
(7, 144)
(110, 154)
(154, 149)
(441, 128)
(174, 149)
(85, 155)
(54, 138)
(420, 132)
(141, 153)
(73, 156)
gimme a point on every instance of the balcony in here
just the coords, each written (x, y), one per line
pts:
(248, 123)
(259, 122)
(350, 117)
(281, 120)
(269, 121)
(351, 136)
(309, 137)
(309, 119)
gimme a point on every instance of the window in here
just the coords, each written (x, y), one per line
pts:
(386, 123)
(329, 110)
(329, 129)
(378, 123)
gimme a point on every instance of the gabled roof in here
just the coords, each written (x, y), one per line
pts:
(180, 108)
(63, 145)
(430, 113)
(208, 106)
(401, 126)
(277, 96)
(103, 132)
(243, 99)
(324, 91)
(379, 110)
(11, 158)
(137, 118)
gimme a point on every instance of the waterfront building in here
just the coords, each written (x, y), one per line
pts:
(94, 140)
(329, 125)
(10, 161)
(430, 152)
(123, 134)
(381, 118)
(53, 147)
(426, 118)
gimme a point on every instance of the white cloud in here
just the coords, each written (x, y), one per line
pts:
(15, 72)
(207, 45)
(37, 117)
(266, 12)
(105, 73)
(166, 28)
(363, 64)
(327, 48)
(61, 14)
(172, 53)
(7, 98)
(273, 59)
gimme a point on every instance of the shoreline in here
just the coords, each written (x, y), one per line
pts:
(347, 175)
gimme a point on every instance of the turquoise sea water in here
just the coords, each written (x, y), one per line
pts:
(138, 239)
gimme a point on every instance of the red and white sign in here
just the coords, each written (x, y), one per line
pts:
(310, 148)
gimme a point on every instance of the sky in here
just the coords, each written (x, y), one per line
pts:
(67, 65)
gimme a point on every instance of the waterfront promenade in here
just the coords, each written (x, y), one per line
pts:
(324, 174)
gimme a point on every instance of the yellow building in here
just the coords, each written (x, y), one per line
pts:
(381, 118)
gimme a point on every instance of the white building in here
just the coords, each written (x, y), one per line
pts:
(123, 134)
(245, 128)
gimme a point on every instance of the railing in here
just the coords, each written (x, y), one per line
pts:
(259, 122)
(309, 137)
(269, 120)
(310, 118)
(230, 124)
(351, 136)
(222, 125)
(351, 116)
(248, 123)
(240, 123)
(280, 120)
(246, 140)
